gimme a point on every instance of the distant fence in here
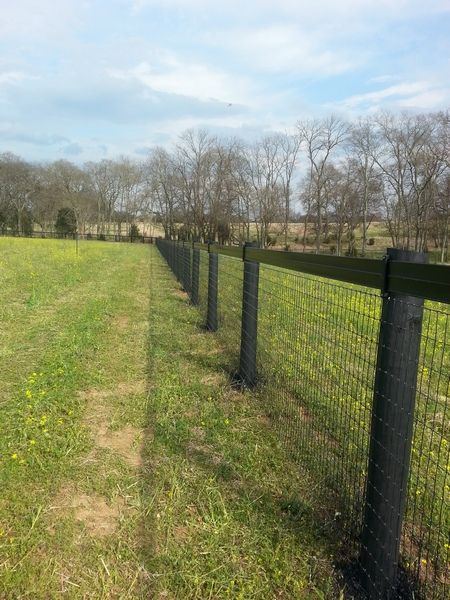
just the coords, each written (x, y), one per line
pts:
(103, 237)
(353, 356)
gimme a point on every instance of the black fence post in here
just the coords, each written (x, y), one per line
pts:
(391, 433)
(249, 323)
(195, 275)
(177, 259)
(187, 262)
(213, 288)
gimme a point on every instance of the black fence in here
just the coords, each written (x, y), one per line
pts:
(353, 356)
(102, 237)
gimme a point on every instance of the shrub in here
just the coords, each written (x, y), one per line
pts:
(134, 232)
(371, 242)
(66, 221)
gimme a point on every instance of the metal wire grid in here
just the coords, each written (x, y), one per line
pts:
(203, 284)
(425, 543)
(230, 282)
(317, 349)
(316, 352)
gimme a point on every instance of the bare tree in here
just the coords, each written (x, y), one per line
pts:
(320, 139)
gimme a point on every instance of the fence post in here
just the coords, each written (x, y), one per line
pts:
(213, 287)
(187, 260)
(179, 261)
(391, 433)
(249, 321)
(195, 274)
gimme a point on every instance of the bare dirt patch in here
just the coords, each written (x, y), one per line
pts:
(128, 388)
(93, 395)
(125, 442)
(214, 379)
(122, 322)
(99, 516)
(124, 388)
(180, 294)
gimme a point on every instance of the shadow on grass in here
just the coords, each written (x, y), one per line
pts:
(211, 439)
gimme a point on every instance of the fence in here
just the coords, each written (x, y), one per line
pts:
(358, 385)
(104, 237)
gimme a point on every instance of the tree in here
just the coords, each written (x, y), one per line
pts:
(17, 183)
(66, 221)
(320, 138)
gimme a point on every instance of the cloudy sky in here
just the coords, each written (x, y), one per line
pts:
(87, 79)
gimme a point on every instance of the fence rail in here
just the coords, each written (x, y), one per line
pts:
(355, 357)
(103, 237)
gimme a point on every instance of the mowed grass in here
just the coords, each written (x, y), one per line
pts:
(128, 466)
(73, 364)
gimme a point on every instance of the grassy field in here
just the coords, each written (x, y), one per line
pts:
(128, 466)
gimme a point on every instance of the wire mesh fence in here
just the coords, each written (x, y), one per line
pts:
(357, 384)
(101, 237)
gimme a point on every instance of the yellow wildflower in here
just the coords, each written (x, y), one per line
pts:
(14, 456)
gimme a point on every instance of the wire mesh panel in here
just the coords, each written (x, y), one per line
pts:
(316, 356)
(203, 284)
(426, 533)
(230, 307)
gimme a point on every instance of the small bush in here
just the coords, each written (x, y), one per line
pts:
(134, 232)
(371, 242)
(66, 221)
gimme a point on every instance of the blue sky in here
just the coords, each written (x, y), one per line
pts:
(85, 79)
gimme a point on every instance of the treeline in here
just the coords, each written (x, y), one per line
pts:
(336, 177)
(104, 197)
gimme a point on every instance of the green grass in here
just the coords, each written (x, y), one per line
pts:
(128, 467)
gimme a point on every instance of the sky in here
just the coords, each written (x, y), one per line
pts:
(91, 79)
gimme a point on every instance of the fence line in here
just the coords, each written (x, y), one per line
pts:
(103, 237)
(355, 357)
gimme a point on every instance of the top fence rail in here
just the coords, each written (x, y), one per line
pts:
(431, 282)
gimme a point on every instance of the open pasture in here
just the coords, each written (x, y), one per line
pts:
(129, 468)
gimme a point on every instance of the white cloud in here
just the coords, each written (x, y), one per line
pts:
(422, 95)
(24, 18)
(285, 48)
(172, 76)
(429, 100)
(304, 8)
(12, 77)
